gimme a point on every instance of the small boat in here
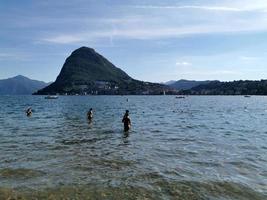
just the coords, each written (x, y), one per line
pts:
(51, 97)
(247, 96)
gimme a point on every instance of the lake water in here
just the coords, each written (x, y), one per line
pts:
(200, 147)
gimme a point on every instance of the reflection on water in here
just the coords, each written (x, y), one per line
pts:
(192, 148)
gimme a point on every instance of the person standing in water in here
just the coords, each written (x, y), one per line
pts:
(90, 115)
(126, 121)
(29, 112)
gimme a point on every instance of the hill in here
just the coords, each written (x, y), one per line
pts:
(87, 72)
(169, 82)
(185, 84)
(229, 88)
(20, 85)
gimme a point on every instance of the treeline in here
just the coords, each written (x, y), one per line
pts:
(229, 88)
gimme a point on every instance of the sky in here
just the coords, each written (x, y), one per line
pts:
(151, 40)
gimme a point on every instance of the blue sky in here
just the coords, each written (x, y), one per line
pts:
(152, 40)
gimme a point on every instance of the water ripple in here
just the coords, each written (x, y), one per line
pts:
(198, 148)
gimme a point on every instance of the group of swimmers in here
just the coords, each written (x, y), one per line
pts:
(125, 120)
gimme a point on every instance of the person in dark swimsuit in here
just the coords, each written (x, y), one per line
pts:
(126, 121)
(90, 114)
(29, 112)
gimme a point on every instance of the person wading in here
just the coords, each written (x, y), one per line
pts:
(90, 115)
(126, 121)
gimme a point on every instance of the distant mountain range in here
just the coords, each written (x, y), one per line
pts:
(185, 84)
(168, 82)
(20, 85)
(229, 88)
(242, 87)
(87, 72)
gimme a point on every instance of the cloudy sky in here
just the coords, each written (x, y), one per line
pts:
(151, 40)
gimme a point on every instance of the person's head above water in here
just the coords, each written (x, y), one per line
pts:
(126, 113)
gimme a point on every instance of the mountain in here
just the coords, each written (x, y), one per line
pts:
(169, 82)
(185, 84)
(20, 85)
(87, 72)
(229, 88)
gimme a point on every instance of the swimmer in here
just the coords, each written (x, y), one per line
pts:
(90, 114)
(126, 121)
(29, 112)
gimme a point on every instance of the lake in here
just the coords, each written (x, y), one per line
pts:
(199, 147)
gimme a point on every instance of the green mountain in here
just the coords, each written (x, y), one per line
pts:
(229, 88)
(87, 72)
(20, 85)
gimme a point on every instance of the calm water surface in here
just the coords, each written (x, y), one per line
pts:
(192, 148)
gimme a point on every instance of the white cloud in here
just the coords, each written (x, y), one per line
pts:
(222, 5)
(14, 56)
(211, 8)
(64, 39)
(149, 33)
(183, 63)
(162, 24)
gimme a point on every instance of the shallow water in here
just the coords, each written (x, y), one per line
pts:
(200, 147)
